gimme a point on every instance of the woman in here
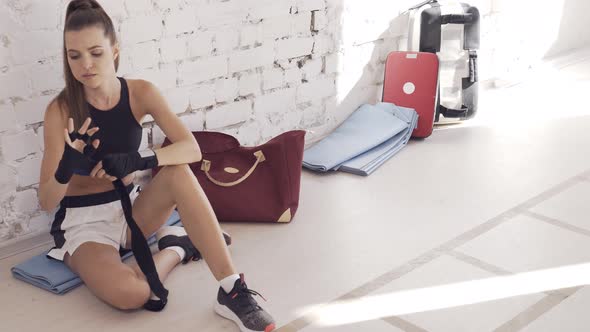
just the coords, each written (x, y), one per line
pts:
(89, 227)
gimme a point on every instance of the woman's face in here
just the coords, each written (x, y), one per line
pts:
(91, 56)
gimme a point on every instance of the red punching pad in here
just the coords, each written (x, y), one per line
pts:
(411, 80)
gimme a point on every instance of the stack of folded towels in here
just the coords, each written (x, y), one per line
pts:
(364, 141)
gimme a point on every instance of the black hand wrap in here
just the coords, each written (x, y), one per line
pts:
(121, 164)
(72, 159)
(142, 253)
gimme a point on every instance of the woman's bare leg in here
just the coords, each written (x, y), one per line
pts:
(177, 186)
(101, 269)
(165, 260)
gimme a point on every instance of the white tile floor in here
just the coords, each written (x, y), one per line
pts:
(501, 194)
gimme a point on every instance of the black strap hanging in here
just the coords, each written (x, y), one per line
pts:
(142, 253)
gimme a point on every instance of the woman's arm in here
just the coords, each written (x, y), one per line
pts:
(50, 191)
(184, 148)
(61, 156)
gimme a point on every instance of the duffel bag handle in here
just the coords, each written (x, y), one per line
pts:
(206, 166)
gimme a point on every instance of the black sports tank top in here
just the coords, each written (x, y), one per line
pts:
(119, 131)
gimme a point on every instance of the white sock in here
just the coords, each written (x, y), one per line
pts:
(228, 282)
(178, 250)
(180, 253)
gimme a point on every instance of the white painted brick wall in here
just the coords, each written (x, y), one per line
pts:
(276, 27)
(249, 84)
(202, 96)
(173, 49)
(179, 22)
(15, 84)
(200, 44)
(163, 77)
(136, 7)
(228, 115)
(252, 58)
(320, 20)
(323, 44)
(226, 40)
(273, 78)
(293, 75)
(294, 47)
(301, 23)
(8, 181)
(268, 8)
(45, 15)
(16, 146)
(47, 77)
(276, 102)
(31, 111)
(226, 89)
(146, 54)
(250, 34)
(28, 171)
(249, 134)
(250, 68)
(310, 5)
(226, 13)
(320, 88)
(178, 99)
(202, 69)
(194, 121)
(312, 68)
(40, 43)
(8, 117)
(141, 28)
(26, 201)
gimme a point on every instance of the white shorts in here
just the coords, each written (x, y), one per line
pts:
(90, 218)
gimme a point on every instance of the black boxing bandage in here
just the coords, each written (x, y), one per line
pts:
(121, 164)
(72, 159)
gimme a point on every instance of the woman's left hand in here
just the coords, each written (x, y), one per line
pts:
(99, 173)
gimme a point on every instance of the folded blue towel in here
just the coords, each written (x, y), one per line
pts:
(54, 276)
(384, 127)
(369, 161)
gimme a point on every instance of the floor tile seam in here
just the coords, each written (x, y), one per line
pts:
(491, 268)
(403, 324)
(535, 311)
(558, 223)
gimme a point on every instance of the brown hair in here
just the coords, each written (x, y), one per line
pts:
(81, 14)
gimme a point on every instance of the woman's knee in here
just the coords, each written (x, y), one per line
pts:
(131, 293)
(179, 173)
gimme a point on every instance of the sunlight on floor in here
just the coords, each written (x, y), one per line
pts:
(451, 295)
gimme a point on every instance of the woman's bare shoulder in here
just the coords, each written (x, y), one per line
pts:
(139, 86)
(55, 112)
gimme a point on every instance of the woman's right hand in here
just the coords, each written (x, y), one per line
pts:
(74, 156)
(79, 144)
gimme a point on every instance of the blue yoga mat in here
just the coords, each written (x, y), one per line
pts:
(367, 162)
(54, 276)
(364, 141)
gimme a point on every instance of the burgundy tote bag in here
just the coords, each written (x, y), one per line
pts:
(256, 184)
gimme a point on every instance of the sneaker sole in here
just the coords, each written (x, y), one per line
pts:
(224, 312)
(180, 231)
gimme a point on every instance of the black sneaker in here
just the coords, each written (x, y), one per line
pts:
(170, 236)
(240, 306)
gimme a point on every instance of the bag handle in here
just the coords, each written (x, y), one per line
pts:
(206, 166)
